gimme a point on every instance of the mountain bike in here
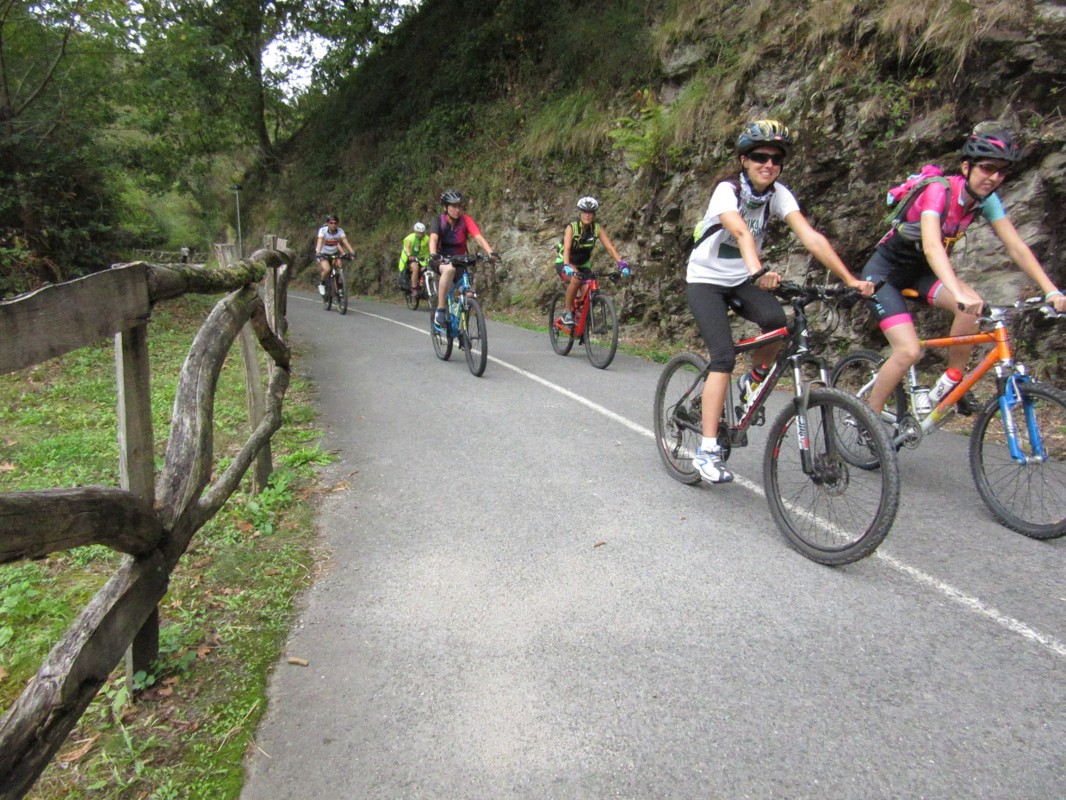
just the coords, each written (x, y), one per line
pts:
(466, 321)
(829, 510)
(595, 321)
(1017, 449)
(427, 285)
(336, 282)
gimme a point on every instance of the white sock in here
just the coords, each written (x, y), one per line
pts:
(709, 443)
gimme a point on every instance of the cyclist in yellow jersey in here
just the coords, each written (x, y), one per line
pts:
(575, 251)
(414, 253)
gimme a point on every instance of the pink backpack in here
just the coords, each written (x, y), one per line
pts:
(904, 195)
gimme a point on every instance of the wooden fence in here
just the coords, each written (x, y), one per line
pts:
(151, 520)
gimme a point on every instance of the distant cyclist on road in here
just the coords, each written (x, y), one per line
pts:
(725, 265)
(943, 213)
(448, 236)
(575, 252)
(331, 242)
(414, 253)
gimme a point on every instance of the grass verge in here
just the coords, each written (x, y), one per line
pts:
(226, 616)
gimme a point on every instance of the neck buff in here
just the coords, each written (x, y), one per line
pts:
(750, 197)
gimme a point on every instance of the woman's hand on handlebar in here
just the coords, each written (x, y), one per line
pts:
(863, 287)
(970, 302)
(767, 279)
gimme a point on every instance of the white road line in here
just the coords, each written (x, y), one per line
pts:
(960, 598)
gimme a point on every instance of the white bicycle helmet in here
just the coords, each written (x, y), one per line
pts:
(588, 204)
(420, 228)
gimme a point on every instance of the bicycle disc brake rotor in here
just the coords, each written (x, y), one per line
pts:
(831, 474)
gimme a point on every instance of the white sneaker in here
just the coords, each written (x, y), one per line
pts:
(322, 289)
(711, 466)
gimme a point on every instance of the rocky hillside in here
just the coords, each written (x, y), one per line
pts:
(528, 105)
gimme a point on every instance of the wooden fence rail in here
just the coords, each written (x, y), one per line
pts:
(153, 522)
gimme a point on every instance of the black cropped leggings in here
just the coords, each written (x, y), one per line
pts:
(710, 305)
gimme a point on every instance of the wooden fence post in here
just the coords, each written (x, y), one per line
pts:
(136, 462)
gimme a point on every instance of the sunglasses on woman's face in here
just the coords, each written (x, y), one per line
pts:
(777, 159)
(993, 169)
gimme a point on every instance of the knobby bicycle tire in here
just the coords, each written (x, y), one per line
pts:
(839, 513)
(476, 340)
(601, 331)
(677, 445)
(442, 340)
(342, 293)
(562, 340)
(1029, 498)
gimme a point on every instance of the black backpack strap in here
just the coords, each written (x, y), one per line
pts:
(713, 229)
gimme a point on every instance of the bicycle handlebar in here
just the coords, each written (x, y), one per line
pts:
(1031, 305)
(804, 294)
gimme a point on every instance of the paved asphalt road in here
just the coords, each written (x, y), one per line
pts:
(519, 602)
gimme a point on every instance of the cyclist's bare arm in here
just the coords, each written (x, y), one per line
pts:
(936, 255)
(608, 245)
(1021, 255)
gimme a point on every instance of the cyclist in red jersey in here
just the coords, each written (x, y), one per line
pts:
(448, 236)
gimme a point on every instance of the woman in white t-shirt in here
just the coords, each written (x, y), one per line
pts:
(725, 266)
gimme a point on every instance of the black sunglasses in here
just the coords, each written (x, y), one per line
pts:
(777, 159)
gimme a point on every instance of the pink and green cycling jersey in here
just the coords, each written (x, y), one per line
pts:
(956, 218)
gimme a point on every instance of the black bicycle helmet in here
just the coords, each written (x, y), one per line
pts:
(765, 132)
(990, 143)
(588, 203)
(451, 197)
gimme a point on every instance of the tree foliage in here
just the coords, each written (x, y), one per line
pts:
(102, 100)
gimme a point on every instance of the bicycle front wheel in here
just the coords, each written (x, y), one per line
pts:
(601, 331)
(1027, 495)
(830, 512)
(562, 338)
(442, 340)
(855, 374)
(678, 415)
(475, 338)
(342, 293)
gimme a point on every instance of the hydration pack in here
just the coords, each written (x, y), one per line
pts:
(904, 195)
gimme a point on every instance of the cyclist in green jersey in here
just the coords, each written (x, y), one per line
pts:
(414, 254)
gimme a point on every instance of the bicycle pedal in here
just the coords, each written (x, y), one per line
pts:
(738, 438)
(760, 417)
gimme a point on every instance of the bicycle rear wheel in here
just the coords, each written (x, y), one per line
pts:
(442, 340)
(476, 340)
(342, 292)
(562, 338)
(855, 374)
(836, 514)
(678, 415)
(1029, 497)
(601, 331)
